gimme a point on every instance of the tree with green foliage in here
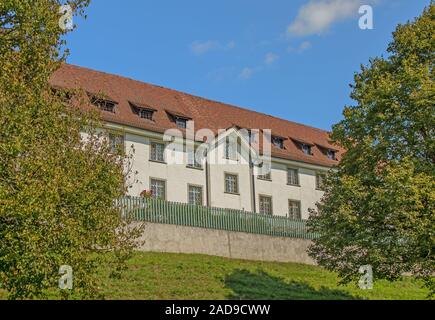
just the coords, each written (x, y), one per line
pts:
(57, 190)
(378, 207)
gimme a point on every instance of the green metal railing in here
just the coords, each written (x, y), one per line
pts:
(159, 211)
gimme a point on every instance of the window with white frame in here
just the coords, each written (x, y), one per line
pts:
(158, 189)
(306, 149)
(231, 148)
(253, 137)
(266, 176)
(103, 104)
(181, 123)
(293, 177)
(265, 172)
(195, 195)
(331, 154)
(116, 142)
(157, 152)
(294, 209)
(278, 142)
(319, 181)
(192, 160)
(231, 183)
(266, 205)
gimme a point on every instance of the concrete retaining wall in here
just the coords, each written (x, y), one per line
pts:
(179, 239)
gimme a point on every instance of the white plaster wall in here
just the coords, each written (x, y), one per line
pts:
(177, 176)
(281, 192)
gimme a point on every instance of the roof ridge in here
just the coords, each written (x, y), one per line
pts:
(198, 97)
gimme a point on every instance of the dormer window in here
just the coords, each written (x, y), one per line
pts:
(181, 123)
(306, 149)
(328, 151)
(180, 119)
(104, 104)
(143, 111)
(278, 142)
(305, 146)
(146, 114)
(331, 154)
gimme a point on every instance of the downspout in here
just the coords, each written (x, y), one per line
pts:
(207, 180)
(251, 172)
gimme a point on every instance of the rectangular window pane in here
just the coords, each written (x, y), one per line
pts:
(158, 188)
(192, 160)
(293, 177)
(294, 209)
(181, 123)
(319, 181)
(266, 205)
(116, 143)
(195, 195)
(146, 114)
(157, 152)
(278, 142)
(266, 176)
(331, 155)
(231, 183)
(231, 149)
(306, 149)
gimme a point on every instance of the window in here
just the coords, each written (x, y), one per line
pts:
(319, 181)
(157, 152)
(158, 189)
(266, 205)
(252, 137)
(116, 142)
(192, 159)
(293, 177)
(266, 170)
(331, 154)
(195, 195)
(181, 123)
(231, 183)
(146, 114)
(278, 142)
(306, 149)
(266, 176)
(294, 209)
(230, 149)
(104, 105)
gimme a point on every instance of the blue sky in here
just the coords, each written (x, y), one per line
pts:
(291, 59)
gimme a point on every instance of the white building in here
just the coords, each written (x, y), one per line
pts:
(139, 115)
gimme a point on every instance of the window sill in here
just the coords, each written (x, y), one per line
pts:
(195, 168)
(267, 180)
(294, 185)
(157, 161)
(232, 193)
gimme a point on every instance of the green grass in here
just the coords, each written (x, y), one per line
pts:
(183, 276)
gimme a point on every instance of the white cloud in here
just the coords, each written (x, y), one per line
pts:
(317, 16)
(246, 73)
(231, 45)
(301, 48)
(305, 46)
(271, 58)
(199, 48)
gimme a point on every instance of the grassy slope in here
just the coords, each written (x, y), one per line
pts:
(182, 276)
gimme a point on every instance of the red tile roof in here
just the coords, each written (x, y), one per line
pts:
(205, 113)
